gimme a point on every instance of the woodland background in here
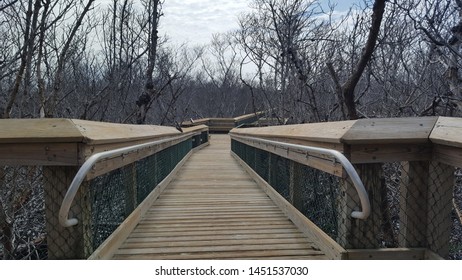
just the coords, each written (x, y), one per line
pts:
(82, 59)
(298, 60)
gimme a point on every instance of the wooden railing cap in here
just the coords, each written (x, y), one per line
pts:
(197, 128)
(328, 132)
(39, 131)
(447, 131)
(103, 132)
(76, 131)
(390, 131)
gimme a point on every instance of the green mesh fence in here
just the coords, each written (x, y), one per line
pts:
(414, 204)
(30, 197)
(455, 242)
(317, 199)
(116, 194)
(319, 195)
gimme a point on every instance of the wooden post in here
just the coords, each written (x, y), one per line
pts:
(439, 207)
(72, 242)
(295, 185)
(355, 233)
(412, 202)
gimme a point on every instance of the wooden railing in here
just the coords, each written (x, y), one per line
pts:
(224, 124)
(425, 153)
(56, 148)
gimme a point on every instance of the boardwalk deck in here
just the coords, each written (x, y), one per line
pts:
(214, 210)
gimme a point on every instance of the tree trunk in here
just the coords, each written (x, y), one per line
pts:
(348, 88)
(144, 100)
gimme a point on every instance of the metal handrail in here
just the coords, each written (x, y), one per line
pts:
(89, 164)
(358, 184)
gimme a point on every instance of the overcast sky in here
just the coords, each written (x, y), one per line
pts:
(194, 21)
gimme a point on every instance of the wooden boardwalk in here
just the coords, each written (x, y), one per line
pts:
(214, 210)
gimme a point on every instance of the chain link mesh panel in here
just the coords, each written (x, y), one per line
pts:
(112, 199)
(30, 198)
(455, 242)
(414, 204)
(22, 219)
(319, 192)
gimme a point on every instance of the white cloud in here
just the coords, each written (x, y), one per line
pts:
(194, 21)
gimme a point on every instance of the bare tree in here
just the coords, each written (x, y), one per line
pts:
(346, 91)
(154, 13)
(440, 22)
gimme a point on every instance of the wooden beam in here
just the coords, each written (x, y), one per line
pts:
(44, 154)
(439, 207)
(391, 254)
(380, 153)
(447, 132)
(196, 129)
(390, 131)
(97, 133)
(412, 204)
(447, 155)
(355, 233)
(331, 132)
(70, 242)
(39, 131)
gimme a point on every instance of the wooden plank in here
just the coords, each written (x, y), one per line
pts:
(220, 238)
(44, 154)
(448, 155)
(387, 254)
(219, 216)
(217, 225)
(197, 128)
(243, 242)
(390, 131)
(331, 132)
(280, 254)
(356, 233)
(214, 224)
(248, 116)
(211, 221)
(215, 207)
(380, 153)
(448, 132)
(39, 131)
(104, 133)
(311, 231)
(217, 248)
(207, 232)
(195, 122)
(191, 229)
(412, 204)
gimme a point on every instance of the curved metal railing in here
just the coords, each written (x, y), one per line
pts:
(88, 165)
(350, 170)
